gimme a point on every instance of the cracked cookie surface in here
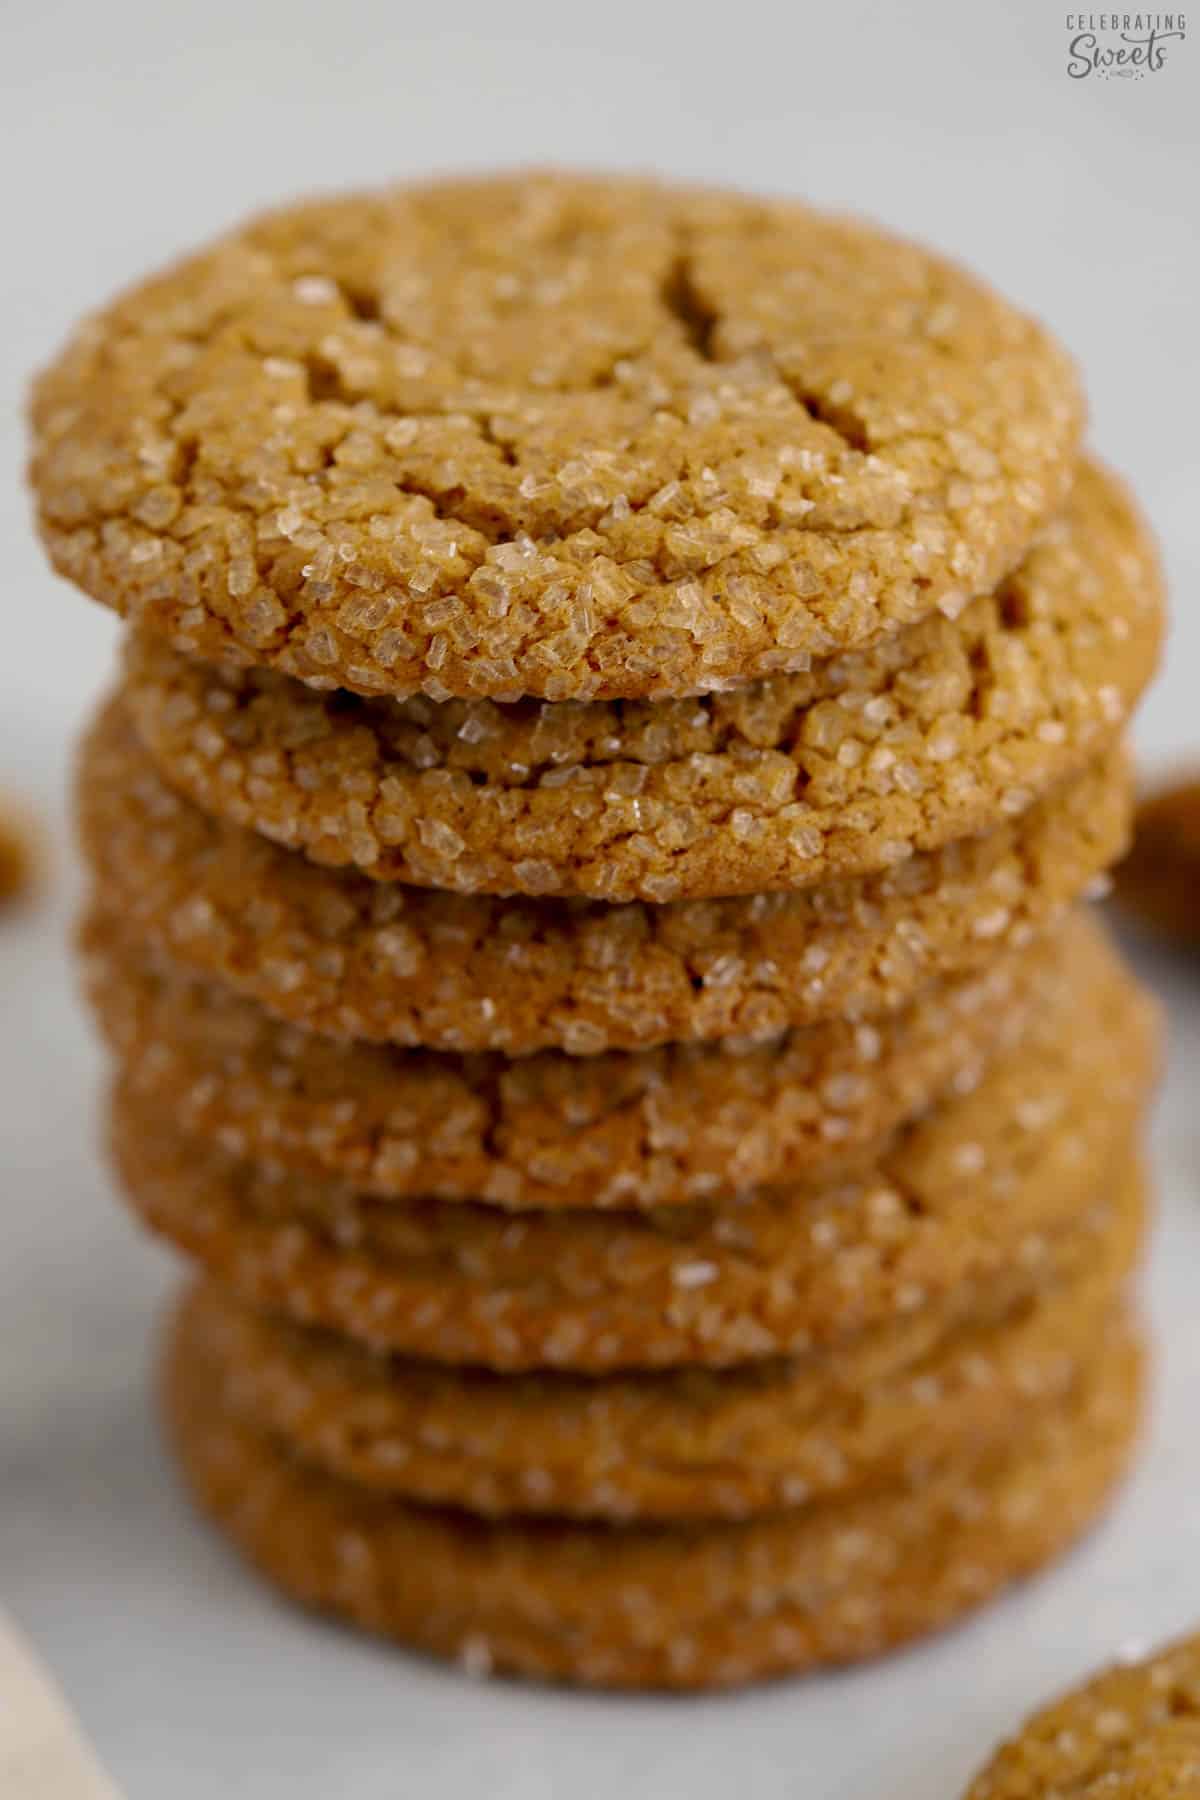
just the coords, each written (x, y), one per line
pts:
(850, 767)
(386, 963)
(640, 1130)
(983, 1185)
(555, 435)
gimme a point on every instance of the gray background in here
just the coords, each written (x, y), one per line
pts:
(129, 131)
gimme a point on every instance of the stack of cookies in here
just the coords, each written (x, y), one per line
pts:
(623, 689)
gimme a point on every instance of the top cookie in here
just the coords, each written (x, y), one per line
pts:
(549, 435)
(1131, 1733)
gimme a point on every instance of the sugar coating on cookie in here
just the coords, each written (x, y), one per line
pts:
(632, 1130)
(387, 963)
(1132, 1732)
(890, 1406)
(934, 734)
(659, 1605)
(550, 435)
(980, 1186)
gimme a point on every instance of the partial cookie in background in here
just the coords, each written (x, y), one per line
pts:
(1158, 883)
(853, 766)
(386, 963)
(556, 435)
(1130, 1733)
(660, 1605)
(985, 1185)
(636, 1130)
(888, 1408)
(20, 853)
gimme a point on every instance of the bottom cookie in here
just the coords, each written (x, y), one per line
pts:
(661, 1606)
(1130, 1733)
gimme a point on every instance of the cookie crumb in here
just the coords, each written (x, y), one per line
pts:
(1158, 883)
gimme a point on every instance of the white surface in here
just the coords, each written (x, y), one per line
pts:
(129, 131)
(42, 1754)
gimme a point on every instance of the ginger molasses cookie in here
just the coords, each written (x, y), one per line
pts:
(936, 733)
(983, 1185)
(379, 961)
(1130, 1733)
(454, 1283)
(548, 434)
(18, 853)
(644, 1129)
(688, 1443)
(661, 1605)
(1158, 883)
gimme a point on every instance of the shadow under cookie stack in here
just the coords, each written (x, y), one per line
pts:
(623, 693)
